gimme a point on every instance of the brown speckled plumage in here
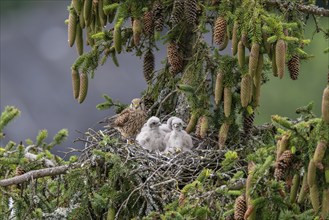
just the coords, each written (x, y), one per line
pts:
(130, 121)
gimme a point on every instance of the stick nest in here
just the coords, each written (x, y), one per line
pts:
(158, 177)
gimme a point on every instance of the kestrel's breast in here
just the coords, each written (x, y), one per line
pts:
(134, 124)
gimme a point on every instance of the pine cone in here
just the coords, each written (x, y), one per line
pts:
(283, 164)
(219, 30)
(253, 59)
(177, 12)
(148, 23)
(79, 40)
(117, 39)
(235, 38)
(293, 67)
(241, 54)
(248, 123)
(158, 16)
(240, 207)
(192, 122)
(280, 57)
(202, 127)
(75, 83)
(198, 128)
(174, 58)
(325, 105)
(83, 87)
(87, 11)
(72, 27)
(77, 5)
(246, 90)
(137, 31)
(190, 7)
(223, 133)
(227, 101)
(148, 66)
(219, 87)
(19, 171)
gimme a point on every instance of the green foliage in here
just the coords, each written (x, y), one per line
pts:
(9, 114)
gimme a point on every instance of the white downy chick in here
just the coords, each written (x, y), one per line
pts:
(151, 136)
(178, 139)
(167, 127)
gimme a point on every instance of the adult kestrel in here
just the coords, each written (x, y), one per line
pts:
(130, 121)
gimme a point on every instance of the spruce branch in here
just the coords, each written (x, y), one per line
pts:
(54, 171)
(308, 9)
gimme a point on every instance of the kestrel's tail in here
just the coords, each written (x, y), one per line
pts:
(108, 120)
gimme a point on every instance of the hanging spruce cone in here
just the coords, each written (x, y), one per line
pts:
(273, 63)
(315, 198)
(148, 67)
(219, 87)
(235, 38)
(227, 101)
(137, 31)
(219, 30)
(293, 67)
(177, 12)
(283, 164)
(72, 27)
(240, 207)
(202, 127)
(79, 40)
(246, 90)
(190, 7)
(148, 23)
(77, 5)
(198, 128)
(248, 123)
(101, 15)
(83, 87)
(158, 16)
(117, 39)
(192, 122)
(241, 54)
(280, 57)
(19, 171)
(75, 83)
(87, 11)
(223, 134)
(325, 204)
(175, 59)
(325, 104)
(253, 59)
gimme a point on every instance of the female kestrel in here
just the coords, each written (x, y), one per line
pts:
(130, 121)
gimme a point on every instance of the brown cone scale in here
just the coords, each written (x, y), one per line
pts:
(293, 67)
(219, 30)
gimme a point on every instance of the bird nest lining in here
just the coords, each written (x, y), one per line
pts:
(158, 176)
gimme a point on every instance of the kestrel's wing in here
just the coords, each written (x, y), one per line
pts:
(122, 118)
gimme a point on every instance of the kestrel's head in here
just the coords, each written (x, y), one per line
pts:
(137, 104)
(153, 122)
(177, 124)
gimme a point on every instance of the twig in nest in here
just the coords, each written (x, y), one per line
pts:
(165, 99)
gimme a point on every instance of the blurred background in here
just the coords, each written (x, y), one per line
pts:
(35, 76)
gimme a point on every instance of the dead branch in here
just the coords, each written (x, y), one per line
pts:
(308, 9)
(37, 174)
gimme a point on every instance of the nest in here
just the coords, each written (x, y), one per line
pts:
(159, 176)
